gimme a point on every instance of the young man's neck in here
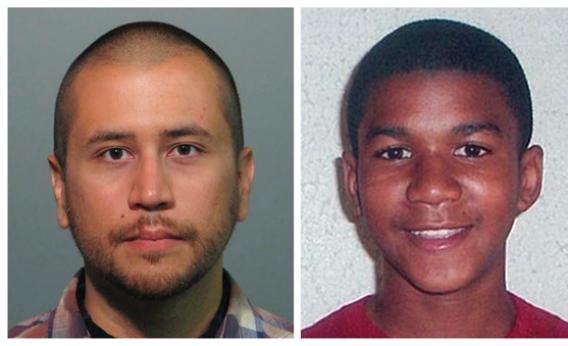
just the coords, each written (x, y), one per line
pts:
(185, 315)
(483, 309)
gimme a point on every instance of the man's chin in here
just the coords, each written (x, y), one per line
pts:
(435, 285)
(150, 282)
(154, 286)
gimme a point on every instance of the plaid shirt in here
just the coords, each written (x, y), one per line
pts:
(243, 320)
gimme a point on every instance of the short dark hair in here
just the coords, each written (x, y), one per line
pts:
(147, 43)
(437, 44)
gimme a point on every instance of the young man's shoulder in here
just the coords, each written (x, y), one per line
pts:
(352, 321)
(534, 322)
(349, 321)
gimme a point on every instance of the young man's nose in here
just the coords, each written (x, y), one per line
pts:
(433, 182)
(151, 187)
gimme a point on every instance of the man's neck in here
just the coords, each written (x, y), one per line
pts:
(185, 315)
(484, 309)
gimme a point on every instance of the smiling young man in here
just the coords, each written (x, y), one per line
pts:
(440, 118)
(150, 174)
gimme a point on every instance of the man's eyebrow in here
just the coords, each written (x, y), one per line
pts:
(105, 136)
(190, 130)
(396, 132)
(471, 128)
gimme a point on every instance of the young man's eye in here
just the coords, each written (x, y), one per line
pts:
(471, 150)
(394, 153)
(115, 154)
(185, 150)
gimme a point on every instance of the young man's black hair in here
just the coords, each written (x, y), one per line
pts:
(438, 44)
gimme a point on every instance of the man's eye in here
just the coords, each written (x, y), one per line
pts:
(394, 153)
(185, 150)
(471, 150)
(115, 154)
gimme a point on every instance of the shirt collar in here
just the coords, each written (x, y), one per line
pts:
(242, 319)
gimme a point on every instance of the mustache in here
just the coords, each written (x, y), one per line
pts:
(183, 231)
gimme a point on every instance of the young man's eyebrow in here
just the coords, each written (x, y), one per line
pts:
(105, 136)
(396, 132)
(189, 130)
(471, 128)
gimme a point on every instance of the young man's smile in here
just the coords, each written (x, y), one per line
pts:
(431, 238)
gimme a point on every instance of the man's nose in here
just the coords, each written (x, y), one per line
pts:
(151, 187)
(433, 182)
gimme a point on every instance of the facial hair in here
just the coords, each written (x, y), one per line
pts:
(207, 245)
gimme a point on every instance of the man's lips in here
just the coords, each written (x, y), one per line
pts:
(153, 240)
(438, 237)
(443, 232)
(153, 235)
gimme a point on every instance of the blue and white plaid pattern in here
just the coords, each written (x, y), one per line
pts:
(243, 320)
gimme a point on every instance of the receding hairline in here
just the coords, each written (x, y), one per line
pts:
(70, 92)
(143, 48)
(142, 55)
(146, 63)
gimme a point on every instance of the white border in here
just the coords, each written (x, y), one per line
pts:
(297, 4)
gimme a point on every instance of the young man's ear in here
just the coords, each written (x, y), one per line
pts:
(349, 164)
(245, 176)
(531, 177)
(58, 185)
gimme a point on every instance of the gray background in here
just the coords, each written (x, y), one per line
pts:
(335, 267)
(256, 44)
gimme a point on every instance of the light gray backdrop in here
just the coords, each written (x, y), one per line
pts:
(335, 268)
(256, 44)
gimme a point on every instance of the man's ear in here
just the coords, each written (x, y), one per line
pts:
(531, 178)
(245, 176)
(58, 185)
(349, 164)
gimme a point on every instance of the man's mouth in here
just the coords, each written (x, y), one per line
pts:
(434, 238)
(152, 235)
(153, 240)
(155, 235)
(442, 233)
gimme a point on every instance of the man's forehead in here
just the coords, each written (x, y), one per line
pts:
(185, 76)
(182, 62)
(129, 98)
(193, 70)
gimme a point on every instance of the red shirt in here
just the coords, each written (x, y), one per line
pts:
(351, 321)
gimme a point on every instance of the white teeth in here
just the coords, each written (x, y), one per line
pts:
(437, 233)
